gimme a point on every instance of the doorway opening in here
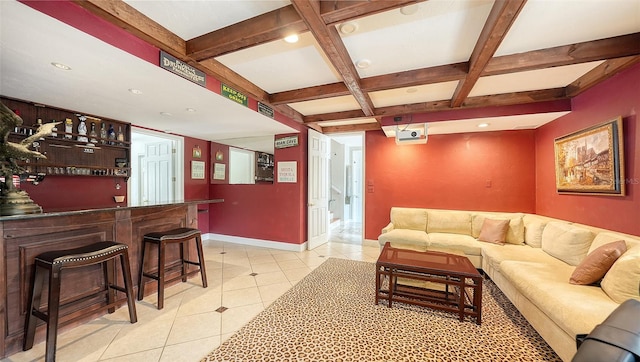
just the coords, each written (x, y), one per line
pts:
(157, 164)
(346, 201)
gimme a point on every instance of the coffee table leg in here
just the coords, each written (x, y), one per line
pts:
(461, 298)
(391, 286)
(477, 299)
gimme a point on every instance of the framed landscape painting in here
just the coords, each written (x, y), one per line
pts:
(591, 161)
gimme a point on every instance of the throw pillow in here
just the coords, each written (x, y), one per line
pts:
(622, 281)
(597, 263)
(494, 231)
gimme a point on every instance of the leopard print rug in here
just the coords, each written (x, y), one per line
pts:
(330, 316)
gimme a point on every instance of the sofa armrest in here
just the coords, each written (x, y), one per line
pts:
(387, 228)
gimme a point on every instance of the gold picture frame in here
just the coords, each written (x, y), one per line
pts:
(591, 160)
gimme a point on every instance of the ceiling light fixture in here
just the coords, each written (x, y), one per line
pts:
(293, 38)
(61, 66)
(409, 9)
(348, 28)
(483, 125)
(166, 114)
(135, 91)
(363, 63)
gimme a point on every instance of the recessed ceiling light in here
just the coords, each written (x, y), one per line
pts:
(409, 9)
(348, 28)
(483, 125)
(412, 90)
(61, 66)
(293, 38)
(363, 63)
(190, 110)
(135, 91)
(166, 114)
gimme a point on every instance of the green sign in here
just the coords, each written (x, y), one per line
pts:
(234, 95)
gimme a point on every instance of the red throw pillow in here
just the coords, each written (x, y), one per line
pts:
(597, 263)
(494, 231)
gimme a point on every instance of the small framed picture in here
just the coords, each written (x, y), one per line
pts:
(197, 152)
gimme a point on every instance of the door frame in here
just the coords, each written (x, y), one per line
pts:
(322, 202)
(178, 161)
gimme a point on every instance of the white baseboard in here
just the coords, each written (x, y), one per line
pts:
(255, 242)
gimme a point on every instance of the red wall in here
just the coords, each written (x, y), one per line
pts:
(491, 171)
(197, 189)
(275, 212)
(618, 96)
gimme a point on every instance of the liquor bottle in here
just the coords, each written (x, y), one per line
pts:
(111, 134)
(68, 129)
(39, 124)
(54, 130)
(120, 136)
(103, 133)
(92, 134)
(82, 131)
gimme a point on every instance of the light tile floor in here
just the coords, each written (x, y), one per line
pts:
(243, 279)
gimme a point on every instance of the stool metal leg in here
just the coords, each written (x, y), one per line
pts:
(128, 285)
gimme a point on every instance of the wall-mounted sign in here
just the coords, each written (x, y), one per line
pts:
(265, 110)
(175, 66)
(288, 171)
(285, 142)
(234, 95)
(219, 170)
(197, 170)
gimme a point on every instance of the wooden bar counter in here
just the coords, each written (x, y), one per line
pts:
(25, 236)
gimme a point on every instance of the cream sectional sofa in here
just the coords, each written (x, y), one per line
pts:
(532, 268)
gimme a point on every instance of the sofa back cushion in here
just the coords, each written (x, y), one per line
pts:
(409, 218)
(566, 242)
(533, 234)
(515, 233)
(622, 281)
(449, 221)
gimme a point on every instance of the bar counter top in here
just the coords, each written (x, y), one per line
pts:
(70, 212)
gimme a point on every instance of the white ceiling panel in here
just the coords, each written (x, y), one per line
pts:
(531, 80)
(545, 24)
(440, 32)
(190, 19)
(418, 94)
(319, 106)
(279, 66)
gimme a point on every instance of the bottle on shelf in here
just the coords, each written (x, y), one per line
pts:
(103, 133)
(111, 134)
(82, 131)
(93, 135)
(68, 129)
(120, 136)
(39, 124)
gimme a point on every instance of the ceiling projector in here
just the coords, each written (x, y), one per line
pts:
(411, 136)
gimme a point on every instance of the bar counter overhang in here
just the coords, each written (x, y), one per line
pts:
(25, 236)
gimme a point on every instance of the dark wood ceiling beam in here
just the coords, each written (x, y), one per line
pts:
(121, 14)
(310, 93)
(507, 99)
(362, 127)
(616, 47)
(600, 73)
(502, 15)
(334, 12)
(335, 116)
(261, 29)
(331, 44)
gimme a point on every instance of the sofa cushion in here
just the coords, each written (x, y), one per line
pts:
(515, 233)
(449, 221)
(409, 218)
(494, 231)
(575, 308)
(456, 242)
(405, 239)
(597, 263)
(494, 255)
(566, 242)
(533, 233)
(622, 281)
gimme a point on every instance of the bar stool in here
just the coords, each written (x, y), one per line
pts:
(53, 263)
(161, 239)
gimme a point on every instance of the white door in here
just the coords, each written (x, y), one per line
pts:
(318, 207)
(356, 169)
(157, 176)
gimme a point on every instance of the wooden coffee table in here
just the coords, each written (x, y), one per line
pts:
(453, 284)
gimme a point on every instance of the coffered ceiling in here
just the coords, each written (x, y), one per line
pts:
(358, 65)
